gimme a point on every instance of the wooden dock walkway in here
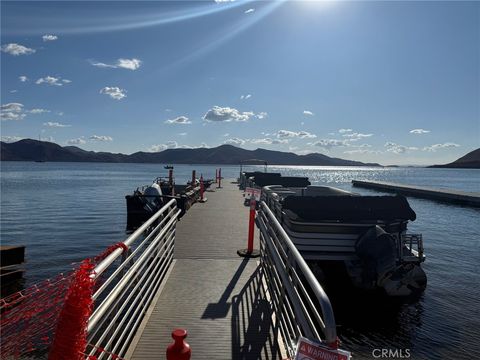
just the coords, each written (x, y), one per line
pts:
(211, 292)
(445, 195)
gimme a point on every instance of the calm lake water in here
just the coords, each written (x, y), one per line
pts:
(65, 212)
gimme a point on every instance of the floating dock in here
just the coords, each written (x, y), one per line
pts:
(444, 195)
(210, 291)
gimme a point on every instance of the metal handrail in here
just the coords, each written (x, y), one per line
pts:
(129, 281)
(295, 293)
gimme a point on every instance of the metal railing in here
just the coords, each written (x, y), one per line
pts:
(129, 281)
(300, 304)
(414, 243)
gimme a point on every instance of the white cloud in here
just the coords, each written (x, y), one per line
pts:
(436, 147)
(308, 112)
(51, 80)
(268, 141)
(223, 1)
(356, 136)
(227, 114)
(419, 131)
(157, 148)
(293, 134)
(329, 143)
(103, 65)
(303, 152)
(22, 78)
(249, 11)
(179, 120)
(306, 135)
(286, 134)
(49, 37)
(226, 134)
(245, 97)
(398, 149)
(13, 91)
(38, 111)
(171, 144)
(16, 49)
(261, 115)
(13, 107)
(235, 141)
(100, 138)
(182, 134)
(361, 151)
(12, 111)
(78, 141)
(114, 92)
(11, 139)
(343, 131)
(55, 124)
(129, 64)
(47, 138)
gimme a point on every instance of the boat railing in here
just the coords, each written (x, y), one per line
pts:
(128, 281)
(301, 306)
(414, 243)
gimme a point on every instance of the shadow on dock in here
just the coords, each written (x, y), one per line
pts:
(252, 336)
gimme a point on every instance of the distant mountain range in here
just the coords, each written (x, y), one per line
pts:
(469, 161)
(33, 150)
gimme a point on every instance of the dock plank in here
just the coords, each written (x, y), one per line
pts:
(214, 294)
(445, 195)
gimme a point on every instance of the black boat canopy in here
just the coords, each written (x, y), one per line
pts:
(350, 208)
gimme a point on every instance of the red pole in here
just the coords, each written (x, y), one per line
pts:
(202, 189)
(249, 251)
(251, 224)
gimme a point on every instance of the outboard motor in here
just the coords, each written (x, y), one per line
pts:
(377, 250)
(153, 197)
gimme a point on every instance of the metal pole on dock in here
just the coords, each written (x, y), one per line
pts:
(219, 178)
(216, 176)
(193, 178)
(249, 251)
(170, 182)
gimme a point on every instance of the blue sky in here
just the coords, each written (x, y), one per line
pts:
(388, 82)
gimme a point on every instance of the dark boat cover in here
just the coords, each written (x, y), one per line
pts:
(265, 179)
(350, 208)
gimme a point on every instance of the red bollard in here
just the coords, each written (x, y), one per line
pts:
(179, 350)
(202, 190)
(249, 251)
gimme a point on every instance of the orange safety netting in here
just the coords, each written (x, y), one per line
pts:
(51, 317)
